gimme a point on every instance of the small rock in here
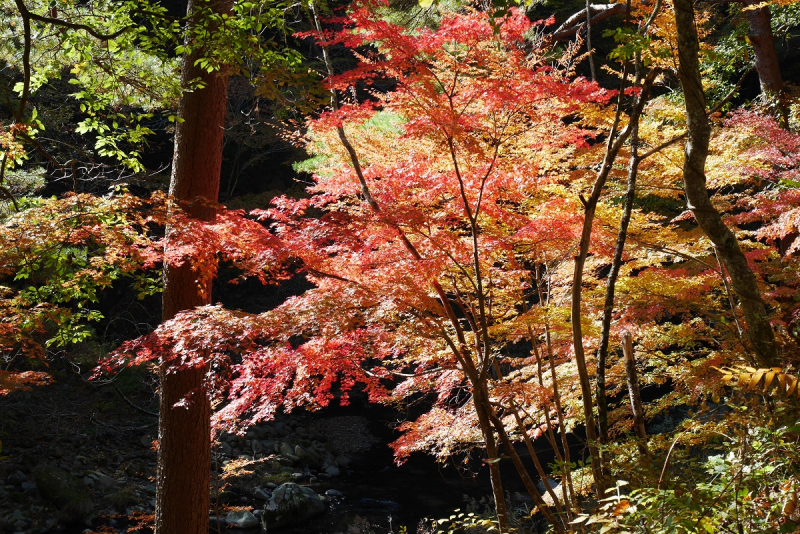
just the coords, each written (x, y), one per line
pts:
(333, 471)
(15, 516)
(227, 449)
(271, 485)
(342, 461)
(313, 480)
(88, 481)
(15, 479)
(146, 441)
(28, 486)
(103, 481)
(150, 488)
(241, 519)
(334, 493)
(550, 482)
(262, 494)
(285, 449)
(216, 523)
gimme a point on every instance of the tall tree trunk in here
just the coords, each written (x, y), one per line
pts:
(767, 65)
(699, 133)
(184, 453)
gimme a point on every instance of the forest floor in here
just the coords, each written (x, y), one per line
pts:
(98, 434)
(89, 430)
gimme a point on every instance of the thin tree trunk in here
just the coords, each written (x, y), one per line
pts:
(611, 285)
(508, 446)
(589, 41)
(635, 395)
(615, 142)
(699, 133)
(483, 410)
(184, 453)
(557, 395)
(538, 465)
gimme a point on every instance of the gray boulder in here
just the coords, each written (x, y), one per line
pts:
(291, 504)
(64, 490)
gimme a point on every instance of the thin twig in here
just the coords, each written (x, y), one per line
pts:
(131, 403)
(666, 461)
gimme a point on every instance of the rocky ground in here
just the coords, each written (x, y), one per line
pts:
(78, 456)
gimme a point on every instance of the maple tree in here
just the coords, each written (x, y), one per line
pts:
(448, 211)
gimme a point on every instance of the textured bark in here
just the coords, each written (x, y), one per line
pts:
(699, 132)
(589, 50)
(562, 512)
(184, 454)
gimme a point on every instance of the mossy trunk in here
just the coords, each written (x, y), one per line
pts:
(743, 279)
